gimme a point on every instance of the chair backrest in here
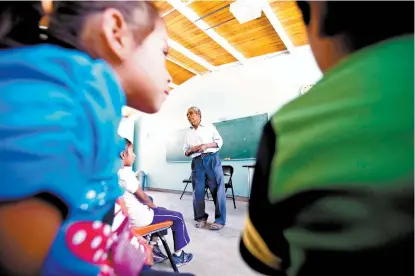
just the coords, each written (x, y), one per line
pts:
(121, 202)
(141, 178)
(120, 216)
(227, 170)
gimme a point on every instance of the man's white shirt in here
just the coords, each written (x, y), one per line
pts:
(140, 214)
(204, 134)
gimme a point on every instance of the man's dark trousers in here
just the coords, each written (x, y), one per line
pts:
(208, 166)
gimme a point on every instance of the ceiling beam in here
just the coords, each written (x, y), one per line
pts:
(204, 27)
(186, 52)
(183, 65)
(252, 60)
(173, 9)
(168, 12)
(269, 13)
(172, 85)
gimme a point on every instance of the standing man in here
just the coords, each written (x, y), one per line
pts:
(202, 143)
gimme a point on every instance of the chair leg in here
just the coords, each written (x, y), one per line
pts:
(184, 190)
(233, 197)
(166, 247)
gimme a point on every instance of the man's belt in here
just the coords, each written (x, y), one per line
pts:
(203, 155)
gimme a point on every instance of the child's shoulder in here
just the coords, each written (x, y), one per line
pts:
(45, 52)
(60, 77)
(126, 173)
(53, 63)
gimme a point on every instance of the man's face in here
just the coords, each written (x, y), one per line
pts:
(193, 117)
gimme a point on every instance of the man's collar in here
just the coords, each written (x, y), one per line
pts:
(201, 125)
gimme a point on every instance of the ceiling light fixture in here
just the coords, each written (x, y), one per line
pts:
(246, 10)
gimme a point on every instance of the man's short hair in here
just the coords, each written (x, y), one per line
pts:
(364, 22)
(196, 109)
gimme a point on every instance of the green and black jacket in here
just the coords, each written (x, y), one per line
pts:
(333, 187)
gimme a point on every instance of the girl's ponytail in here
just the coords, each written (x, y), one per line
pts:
(19, 23)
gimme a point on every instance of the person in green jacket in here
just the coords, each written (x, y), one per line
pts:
(333, 190)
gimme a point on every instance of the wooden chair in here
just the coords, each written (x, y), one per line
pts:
(151, 229)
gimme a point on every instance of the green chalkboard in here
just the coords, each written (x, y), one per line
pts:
(240, 136)
(175, 145)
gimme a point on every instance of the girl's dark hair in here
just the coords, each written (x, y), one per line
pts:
(19, 21)
(365, 22)
(128, 143)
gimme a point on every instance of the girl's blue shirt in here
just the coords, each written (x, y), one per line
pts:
(59, 115)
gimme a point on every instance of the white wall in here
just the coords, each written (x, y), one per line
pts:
(231, 93)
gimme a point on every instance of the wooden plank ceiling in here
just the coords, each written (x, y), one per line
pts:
(251, 39)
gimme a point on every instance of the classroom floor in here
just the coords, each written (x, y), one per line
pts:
(215, 252)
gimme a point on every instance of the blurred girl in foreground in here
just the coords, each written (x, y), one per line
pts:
(60, 106)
